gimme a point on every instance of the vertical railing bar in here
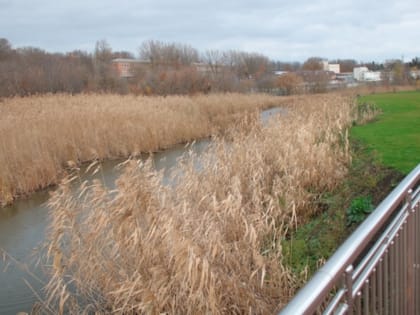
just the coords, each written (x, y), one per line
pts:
(380, 287)
(417, 259)
(348, 277)
(392, 276)
(401, 272)
(397, 274)
(358, 303)
(366, 297)
(386, 283)
(410, 298)
(374, 299)
(417, 247)
(403, 264)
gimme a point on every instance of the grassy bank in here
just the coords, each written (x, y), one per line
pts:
(366, 184)
(395, 134)
(212, 244)
(41, 136)
(384, 146)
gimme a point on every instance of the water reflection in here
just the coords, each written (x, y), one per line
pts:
(22, 227)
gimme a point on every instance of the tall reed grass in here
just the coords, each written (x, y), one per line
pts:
(210, 244)
(40, 134)
(366, 89)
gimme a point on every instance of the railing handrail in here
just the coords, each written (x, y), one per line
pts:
(313, 293)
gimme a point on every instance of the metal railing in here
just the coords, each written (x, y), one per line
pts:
(377, 269)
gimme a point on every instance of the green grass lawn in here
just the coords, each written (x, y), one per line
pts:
(395, 134)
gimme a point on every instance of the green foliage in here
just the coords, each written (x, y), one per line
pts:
(312, 243)
(316, 240)
(359, 208)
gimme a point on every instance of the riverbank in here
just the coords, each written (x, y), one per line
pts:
(211, 244)
(383, 150)
(342, 209)
(42, 136)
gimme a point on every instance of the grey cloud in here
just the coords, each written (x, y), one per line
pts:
(281, 29)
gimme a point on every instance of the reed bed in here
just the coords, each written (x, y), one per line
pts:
(377, 89)
(39, 135)
(210, 244)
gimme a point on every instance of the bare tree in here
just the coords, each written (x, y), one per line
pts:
(122, 54)
(289, 83)
(399, 73)
(5, 49)
(105, 77)
(256, 64)
(287, 66)
(312, 64)
(347, 65)
(246, 65)
(214, 59)
(162, 54)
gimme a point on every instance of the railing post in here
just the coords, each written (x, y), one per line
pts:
(410, 298)
(349, 286)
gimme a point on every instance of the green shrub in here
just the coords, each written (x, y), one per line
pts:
(360, 207)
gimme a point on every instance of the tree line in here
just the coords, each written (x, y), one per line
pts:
(172, 68)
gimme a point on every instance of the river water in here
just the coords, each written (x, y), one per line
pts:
(23, 226)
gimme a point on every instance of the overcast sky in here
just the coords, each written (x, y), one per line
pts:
(287, 30)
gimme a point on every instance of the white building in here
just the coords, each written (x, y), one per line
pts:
(372, 76)
(280, 73)
(363, 74)
(332, 67)
(415, 74)
(358, 73)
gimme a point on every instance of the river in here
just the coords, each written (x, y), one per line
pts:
(23, 226)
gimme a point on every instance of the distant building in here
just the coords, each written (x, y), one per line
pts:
(358, 73)
(330, 67)
(363, 74)
(346, 77)
(125, 68)
(415, 74)
(279, 73)
(372, 76)
(334, 67)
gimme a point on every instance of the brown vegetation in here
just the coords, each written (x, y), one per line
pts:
(173, 68)
(211, 245)
(40, 134)
(290, 83)
(373, 89)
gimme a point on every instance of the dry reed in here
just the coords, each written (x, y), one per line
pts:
(212, 243)
(40, 134)
(376, 89)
